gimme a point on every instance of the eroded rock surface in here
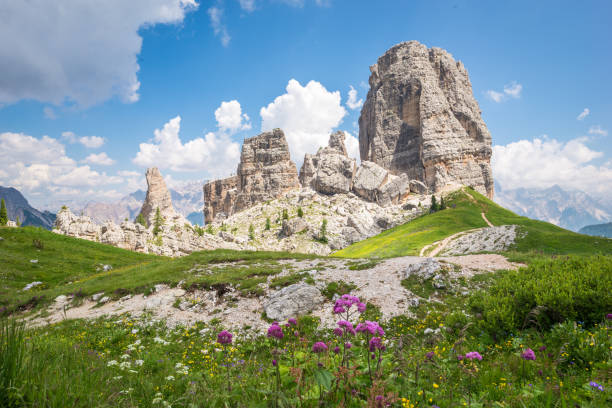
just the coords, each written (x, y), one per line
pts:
(420, 118)
(158, 197)
(265, 172)
(294, 300)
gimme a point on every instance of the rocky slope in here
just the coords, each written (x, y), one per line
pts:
(598, 230)
(18, 206)
(420, 119)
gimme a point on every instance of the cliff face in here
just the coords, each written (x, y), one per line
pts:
(265, 173)
(158, 196)
(420, 118)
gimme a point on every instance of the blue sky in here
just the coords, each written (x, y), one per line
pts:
(554, 58)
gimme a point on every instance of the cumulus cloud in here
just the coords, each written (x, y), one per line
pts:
(597, 130)
(82, 52)
(352, 146)
(247, 5)
(40, 166)
(583, 114)
(92, 142)
(307, 114)
(216, 16)
(543, 162)
(100, 159)
(216, 153)
(511, 90)
(352, 101)
(230, 117)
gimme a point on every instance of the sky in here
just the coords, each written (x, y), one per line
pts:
(93, 93)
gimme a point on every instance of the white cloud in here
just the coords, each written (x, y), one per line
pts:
(230, 117)
(583, 114)
(495, 96)
(352, 146)
(247, 5)
(352, 101)
(77, 51)
(39, 167)
(597, 130)
(544, 162)
(129, 173)
(219, 28)
(92, 142)
(49, 113)
(307, 115)
(215, 153)
(100, 159)
(511, 90)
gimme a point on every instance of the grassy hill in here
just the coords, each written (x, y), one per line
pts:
(69, 265)
(463, 213)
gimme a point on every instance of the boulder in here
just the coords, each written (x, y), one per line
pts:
(394, 191)
(418, 187)
(425, 270)
(292, 301)
(294, 226)
(420, 118)
(368, 180)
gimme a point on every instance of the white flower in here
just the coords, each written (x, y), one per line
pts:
(117, 377)
(125, 356)
(170, 378)
(160, 341)
(133, 371)
(134, 331)
(112, 363)
(125, 364)
(138, 363)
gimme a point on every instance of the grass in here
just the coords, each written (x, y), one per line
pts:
(126, 362)
(464, 208)
(73, 266)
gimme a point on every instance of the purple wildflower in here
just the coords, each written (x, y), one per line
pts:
(460, 357)
(319, 347)
(292, 322)
(429, 355)
(473, 355)
(338, 331)
(595, 385)
(224, 337)
(375, 344)
(275, 331)
(371, 327)
(347, 326)
(348, 345)
(274, 363)
(336, 350)
(542, 348)
(361, 307)
(609, 316)
(528, 355)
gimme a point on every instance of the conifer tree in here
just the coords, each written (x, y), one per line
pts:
(141, 220)
(268, 224)
(158, 222)
(434, 205)
(442, 204)
(18, 222)
(3, 214)
(300, 212)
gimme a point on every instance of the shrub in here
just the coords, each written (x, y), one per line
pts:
(337, 288)
(549, 291)
(285, 214)
(434, 205)
(268, 224)
(251, 232)
(141, 220)
(300, 212)
(323, 232)
(3, 214)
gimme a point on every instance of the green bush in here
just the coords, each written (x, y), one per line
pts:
(549, 291)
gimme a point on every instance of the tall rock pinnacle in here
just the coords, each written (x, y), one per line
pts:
(158, 196)
(420, 118)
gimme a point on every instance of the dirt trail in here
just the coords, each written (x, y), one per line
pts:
(484, 217)
(440, 245)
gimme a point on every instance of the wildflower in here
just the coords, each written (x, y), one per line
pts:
(338, 332)
(430, 355)
(473, 355)
(597, 386)
(138, 363)
(435, 385)
(345, 302)
(542, 348)
(371, 327)
(609, 316)
(125, 365)
(361, 307)
(274, 363)
(275, 331)
(347, 326)
(170, 378)
(336, 350)
(460, 357)
(292, 322)
(224, 337)
(375, 344)
(112, 363)
(319, 347)
(528, 355)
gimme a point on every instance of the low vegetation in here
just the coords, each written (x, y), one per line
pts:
(463, 212)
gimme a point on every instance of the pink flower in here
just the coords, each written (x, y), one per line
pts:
(224, 337)
(319, 347)
(336, 349)
(292, 322)
(347, 326)
(528, 354)
(338, 331)
(473, 355)
(371, 327)
(429, 355)
(275, 331)
(361, 307)
(375, 344)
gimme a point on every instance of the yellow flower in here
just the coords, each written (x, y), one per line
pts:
(435, 385)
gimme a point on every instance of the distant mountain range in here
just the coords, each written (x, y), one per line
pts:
(568, 209)
(18, 206)
(599, 230)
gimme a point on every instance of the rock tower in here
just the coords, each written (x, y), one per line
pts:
(158, 196)
(420, 119)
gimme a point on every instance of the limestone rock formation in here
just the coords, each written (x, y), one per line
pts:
(158, 196)
(265, 172)
(420, 118)
(294, 300)
(368, 180)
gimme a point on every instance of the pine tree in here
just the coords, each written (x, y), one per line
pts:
(141, 220)
(300, 212)
(3, 214)
(434, 205)
(268, 224)
(442, 204)
(323, 232)
(251, 232)
(18, 222)
(158, 222)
